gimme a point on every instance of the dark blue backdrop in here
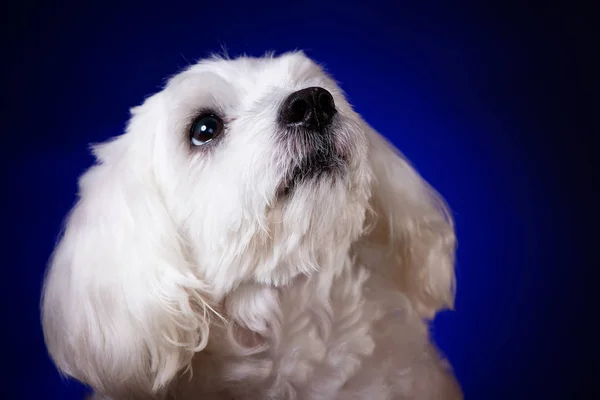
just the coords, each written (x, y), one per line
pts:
(482, 99)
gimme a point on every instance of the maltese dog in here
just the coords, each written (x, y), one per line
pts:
(249, 236)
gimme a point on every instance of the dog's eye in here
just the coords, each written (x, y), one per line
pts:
(205, 128)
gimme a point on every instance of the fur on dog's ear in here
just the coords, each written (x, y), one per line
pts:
(122, 310)
(410, 234)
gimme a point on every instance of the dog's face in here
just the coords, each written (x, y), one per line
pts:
(250, 155)
(252, 170)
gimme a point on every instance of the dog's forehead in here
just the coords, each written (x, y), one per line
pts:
(256, 74)
(285, 69)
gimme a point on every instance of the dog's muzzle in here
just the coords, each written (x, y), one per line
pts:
(307, 118)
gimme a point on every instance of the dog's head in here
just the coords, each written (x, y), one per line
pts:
(245, 170)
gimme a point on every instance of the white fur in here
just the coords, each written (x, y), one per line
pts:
(182, 275)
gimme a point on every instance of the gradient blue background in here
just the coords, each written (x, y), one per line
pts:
(486, 101)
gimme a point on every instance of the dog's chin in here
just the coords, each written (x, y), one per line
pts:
(312, 169)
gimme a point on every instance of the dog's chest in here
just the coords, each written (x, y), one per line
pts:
(310, 340)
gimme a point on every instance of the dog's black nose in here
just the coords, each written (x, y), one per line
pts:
(311, 108)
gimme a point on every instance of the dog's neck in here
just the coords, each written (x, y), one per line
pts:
(255, 306)
(267, 325)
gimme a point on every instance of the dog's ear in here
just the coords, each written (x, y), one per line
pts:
(410, 234)
(122, 310)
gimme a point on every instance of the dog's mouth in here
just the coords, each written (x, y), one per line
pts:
(316, 166)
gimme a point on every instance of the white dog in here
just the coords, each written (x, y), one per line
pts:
(251, 237)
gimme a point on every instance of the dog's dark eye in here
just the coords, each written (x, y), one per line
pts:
(205, 128)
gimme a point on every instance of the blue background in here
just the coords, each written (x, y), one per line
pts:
(487, 101)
